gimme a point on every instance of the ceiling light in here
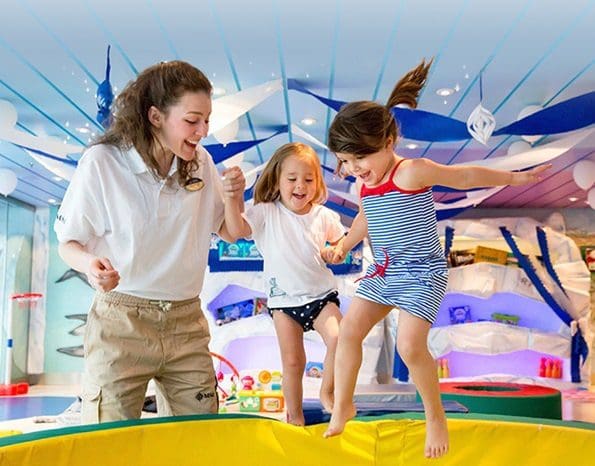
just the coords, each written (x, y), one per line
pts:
(57, 178)
(308, 121)
(411, 146)
(219, 91)
(445, 91)
(51, 200)
(83, 130)
(573, 199)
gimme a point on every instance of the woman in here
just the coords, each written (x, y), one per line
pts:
(137, 218)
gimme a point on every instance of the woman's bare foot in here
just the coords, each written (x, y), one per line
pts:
(295, 419)
(338, 419)
(436, 437)
(327, 399)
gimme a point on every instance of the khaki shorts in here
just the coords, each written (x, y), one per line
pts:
(129, 341)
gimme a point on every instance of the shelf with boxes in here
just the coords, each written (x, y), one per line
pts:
(494, 321)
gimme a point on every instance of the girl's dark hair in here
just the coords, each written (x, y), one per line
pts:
(162, 86)
(266, 188)
(362, 128)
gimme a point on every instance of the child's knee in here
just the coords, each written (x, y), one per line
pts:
(294, 363)
(410, 349)
(349, 330)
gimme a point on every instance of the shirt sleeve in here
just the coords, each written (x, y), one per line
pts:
(213, 178)
(334, 228)
(82, 215)
(255, 216)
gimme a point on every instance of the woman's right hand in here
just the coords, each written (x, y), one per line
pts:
(101, 275)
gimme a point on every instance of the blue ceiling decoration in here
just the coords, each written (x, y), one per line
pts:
(55, 72)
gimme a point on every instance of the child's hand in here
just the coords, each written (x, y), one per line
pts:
(101, 275)
(327, 254)
(529, 176)
(234, 183)
(333, 254)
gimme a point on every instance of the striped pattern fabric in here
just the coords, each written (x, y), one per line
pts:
(402, 226)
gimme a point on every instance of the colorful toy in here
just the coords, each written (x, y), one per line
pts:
(254, 401)
(275, 380)
(247, 382)
(509, 319)
(459, 314)
(249, 401)
(227, 398)
(551, 368)
(25, 301)
(314, 369)
(264, 377)
(442, 367)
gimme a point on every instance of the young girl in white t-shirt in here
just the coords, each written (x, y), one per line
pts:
(291, 228)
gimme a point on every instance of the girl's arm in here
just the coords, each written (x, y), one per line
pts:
(424, 172)
(99, 270)
(356, 234)
(234, 225)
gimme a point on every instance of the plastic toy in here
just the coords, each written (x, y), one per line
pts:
(25, 300)
(275, 380)
(247, 382)
(459, 314)
(509, 319)
(314, 369)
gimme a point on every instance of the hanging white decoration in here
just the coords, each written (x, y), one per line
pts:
(584, 174)
(61, 169)
(49, 145)
(297, 131)
(8, 181)
(536, 156)
(8, 115)
(228, 133)
(524, 113)
(234, 160)
(591, 198)
(231, 107)
(518, 147)
(481, 124)
(250, 173)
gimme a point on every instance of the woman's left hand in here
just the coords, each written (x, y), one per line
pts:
(234, 183)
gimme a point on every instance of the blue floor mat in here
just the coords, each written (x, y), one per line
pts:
(314, 414)
(18, 407)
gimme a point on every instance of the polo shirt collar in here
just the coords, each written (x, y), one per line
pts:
(138, 166)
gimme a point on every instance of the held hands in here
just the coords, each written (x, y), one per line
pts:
(333, 254)
(234, 183)
(533, 175)
(101, 275)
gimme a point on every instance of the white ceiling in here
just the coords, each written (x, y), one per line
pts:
(52, 58)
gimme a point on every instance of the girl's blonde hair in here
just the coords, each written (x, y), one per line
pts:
(266, 188)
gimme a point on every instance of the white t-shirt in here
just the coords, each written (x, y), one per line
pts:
(155, 233)
(294, 271)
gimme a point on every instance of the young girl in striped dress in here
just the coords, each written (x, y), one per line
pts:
(397, 212)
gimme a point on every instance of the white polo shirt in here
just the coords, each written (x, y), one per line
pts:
(155, 233)
(294, 271)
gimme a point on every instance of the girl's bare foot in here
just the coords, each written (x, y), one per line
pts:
(327, 399)
(436, 437)
(295, 419)
(339, 418)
